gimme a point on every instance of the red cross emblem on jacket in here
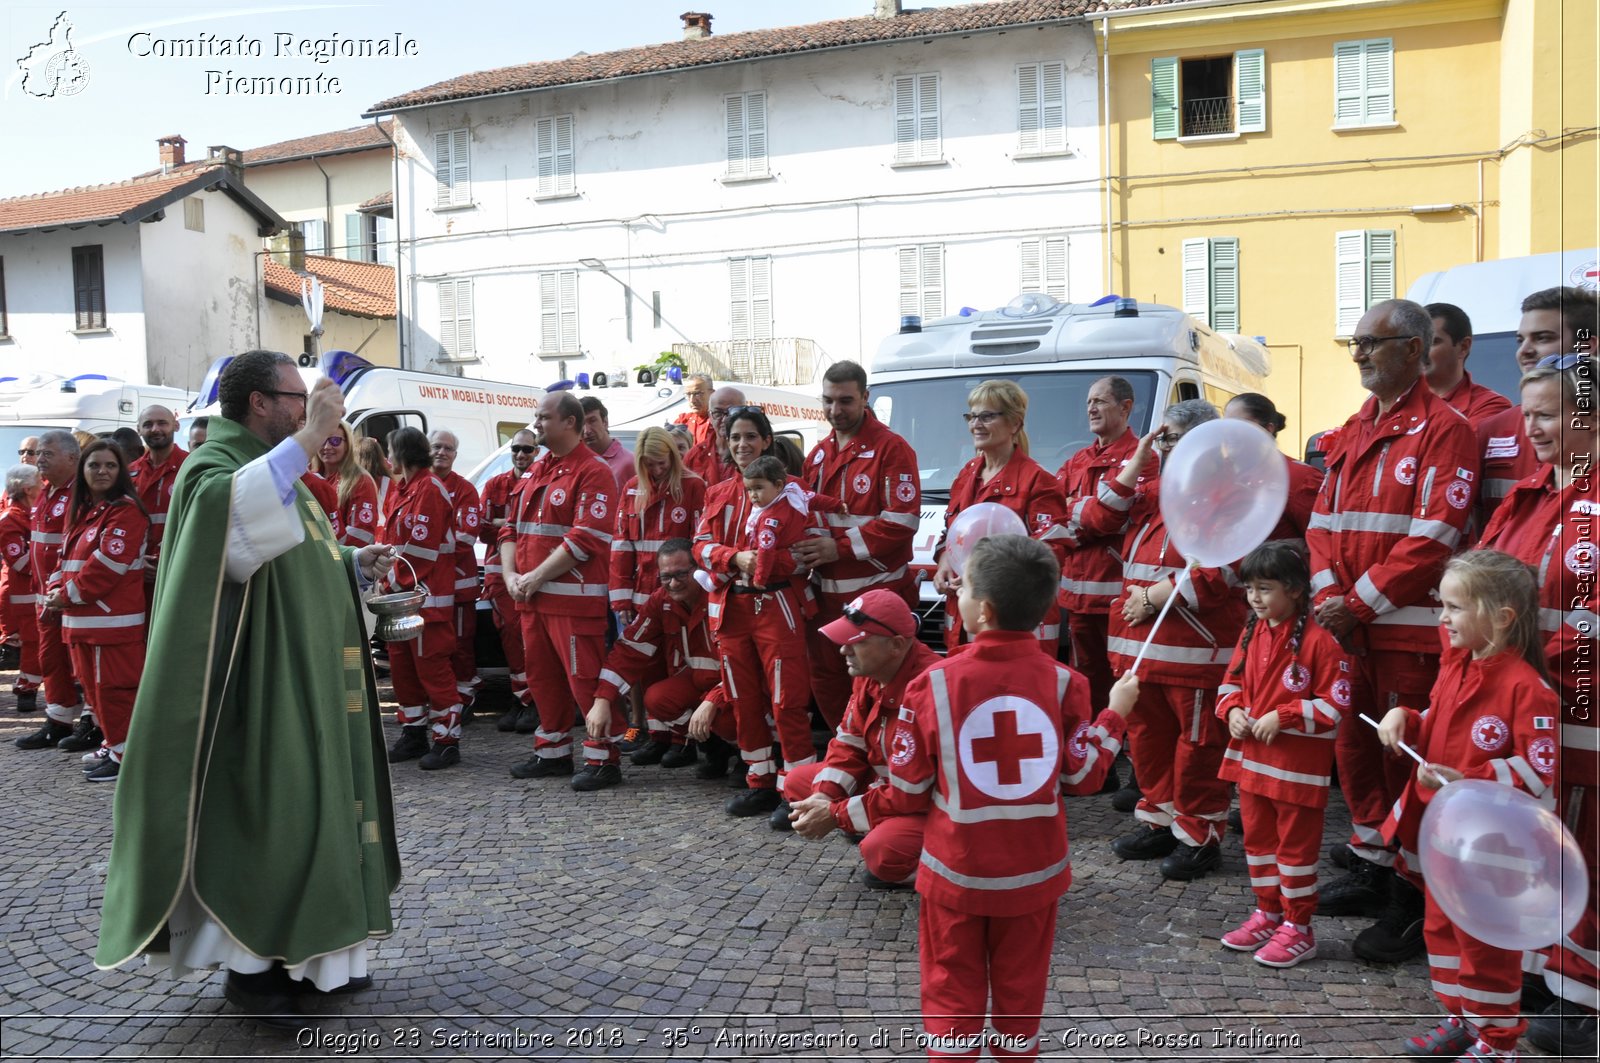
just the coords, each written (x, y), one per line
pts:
(1008, 747)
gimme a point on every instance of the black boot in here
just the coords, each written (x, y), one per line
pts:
(45, 737)
(1361, 891)
(758, 802)
(508, 719)
(1125, 799)
(680, 756)
(718, 753)
(412, 743)
(267, 997)
(1563, 1028)
(1144, 843)
(27, 700)
(85, 736)
(1397, 935)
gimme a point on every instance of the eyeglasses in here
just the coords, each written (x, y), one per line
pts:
(23, 452)
(675, 577)
(1168, 439)
(517, 448)
(301, 395)
(1368, 344)
(862, 619)
(981, 417)
(1562, 362)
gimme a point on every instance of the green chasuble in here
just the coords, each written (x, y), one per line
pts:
(255, 768)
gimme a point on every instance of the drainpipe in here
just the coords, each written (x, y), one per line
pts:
(399, 244)
(1105, 126)
(327, 207)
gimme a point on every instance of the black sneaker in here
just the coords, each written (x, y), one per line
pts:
(508, 719)
(873, 882)
(1127, 798)
(1563, 1029)
(651, 753)
(680, 756)
(442, 755)
(542, 768)
(106, 772)
(1397, 935)
(632, 740)
(45, 737)
(412, 743)
(27, 700)
(1364, 890)
(597, 777)
(527, 720)
(85, 736)
(779, 820)
(92, 761)
(753, 802)
(268, 997)
(1142, 843)
(1188, 862)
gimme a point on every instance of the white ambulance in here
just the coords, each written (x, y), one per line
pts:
(1055, 351)
(89, 403)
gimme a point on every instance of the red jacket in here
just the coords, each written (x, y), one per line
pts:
(875, 476)
(566, 501)
(464, 502)
(855, 771)
(1491, 719)
(46, 534)
(1554, 532)
(700, 426)
(774, 530)
(1506, 457)
(16, 558)
(1018, 723)
(1091, 571)
(153, 483)
(721, 535)
(639, 535)
(1392, 509)
(102, 574)
(422, 525)
(1194, 644)
(495, 505)
(327, 496)
(705, 461)
(358, 517)
(664, 631)
(1304, 483)
(1310, 692)
(1475, 402)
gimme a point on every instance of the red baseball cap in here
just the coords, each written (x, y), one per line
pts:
(873, 613)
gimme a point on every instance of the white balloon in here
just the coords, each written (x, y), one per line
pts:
(1223, 489)
(1505, 869)
(975, 523)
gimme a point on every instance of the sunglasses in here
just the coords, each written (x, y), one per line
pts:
(519, 449)
(333, 441)
(25, 451)
(862, 619)
(740, 411)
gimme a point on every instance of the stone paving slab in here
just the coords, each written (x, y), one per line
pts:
(643, 923)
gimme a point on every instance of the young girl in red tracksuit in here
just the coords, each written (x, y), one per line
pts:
(1492, 716)
(1283, 701)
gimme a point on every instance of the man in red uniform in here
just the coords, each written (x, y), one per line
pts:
(10, 639)
(697, 388)
(467, 514)
(152, 474)
(555, 556)
(876, 635)
(1392, 510)
(874, 473)
(708, 459)
(496, 502)
(18, 599)
(1447, 374)
(67, 719)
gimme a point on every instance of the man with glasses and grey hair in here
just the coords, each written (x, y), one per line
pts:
(1402, 477)
(697, 388)
(708, 459)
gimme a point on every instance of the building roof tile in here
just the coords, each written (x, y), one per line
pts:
(120, 201)
(356, 138)
(361, 289)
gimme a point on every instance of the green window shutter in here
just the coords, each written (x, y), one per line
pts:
(1380, 265)
(1250, 90)
(1349, 83)
(1164, 98)
(1225, 283)
(1378, 88)
(1197, 279)
(352, 238)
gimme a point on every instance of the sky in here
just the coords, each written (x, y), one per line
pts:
(128, 93)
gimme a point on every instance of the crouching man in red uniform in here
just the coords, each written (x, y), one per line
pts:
(989, 740)
(877, 636)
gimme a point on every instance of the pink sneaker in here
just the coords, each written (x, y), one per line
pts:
(1253, 932)
(1288, 946)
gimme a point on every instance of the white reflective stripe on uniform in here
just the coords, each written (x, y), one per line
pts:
(905, 520)
(1437, 530)
(912, 787)
(1323, 580)
(858, 545)
(842, 779)
(998, 882)
(1297, 869)
(1149, 573)
(158, 518)
(467, 583)
(621, 594)
(1320, 522)
(608, 676)
(1273, 772)
(119, 569)
(87, 623)
(645, 649)
(1355, 520)
(1578, 736)
(1293, 892)
(848, 520)
(1111, 499)
(1413, 616)
(855, 810)
(73, 596)
(1228, 688)
(1089, 586)
(360, 535)
(1171, 654)
(48, 538)
(550, 531)
(1532, 779)
(1483, 996)
(1369, 594)
(853, 586)
(854, 741)
(701, 664)
(419, 552)
(24, 599)
(575, 590)
(1582, 621)
(492, 570)
(1550, 620)
(435, 601)
(1046, 632)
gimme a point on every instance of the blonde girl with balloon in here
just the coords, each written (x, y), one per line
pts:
(1283, 701)
(1492, 716)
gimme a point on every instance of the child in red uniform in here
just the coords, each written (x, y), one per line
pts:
(1282, 701)
(780, 516)
(994, 858)
(1492, 716)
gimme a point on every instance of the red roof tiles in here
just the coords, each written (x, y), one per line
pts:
(357, 138)
(362, 289)
(121, 201)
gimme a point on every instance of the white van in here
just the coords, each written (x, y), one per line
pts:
(1055, 351)
(90, 403)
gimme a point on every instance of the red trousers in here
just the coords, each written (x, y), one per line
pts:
(891, 850)
(110, 675)
(766, 674)
(509, 625)
(1478, 982)
(1088, 633)
(1371, 777)
(1569, 965)
(1282, 844)
(830, 677)
(973, 965)
(669, 703)
(423, 685)
(60, 695)
(564, 655)
(22, 623)
(464, 655)
(1176, 744)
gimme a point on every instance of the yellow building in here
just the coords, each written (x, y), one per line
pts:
(1276, 166)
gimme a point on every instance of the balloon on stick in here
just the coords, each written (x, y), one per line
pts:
(975, 523)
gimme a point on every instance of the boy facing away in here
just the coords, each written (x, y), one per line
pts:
(990, 738)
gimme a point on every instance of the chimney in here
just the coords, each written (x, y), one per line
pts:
(171, 149)
(232, 158)
(288, 248)
(696, 24)
(885, 8)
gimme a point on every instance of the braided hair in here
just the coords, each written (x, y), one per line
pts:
(1282, 562)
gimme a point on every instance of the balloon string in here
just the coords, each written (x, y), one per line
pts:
(1177, 589)
(1418, 757)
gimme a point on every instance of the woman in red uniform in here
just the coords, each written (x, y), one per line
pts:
(1003, 473)
(99, 594)
(355, 495)
(1304, 480)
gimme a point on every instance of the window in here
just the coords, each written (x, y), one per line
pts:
(1364, 264)
(1211, 281)
(1211, 96)
(553, 146)
(1044, 267)
(922, 281)
(4, 328)
(750, 314)
(456, 332)
(558, 312)
(1363, 83)
(89, 286)
(452, 171)
(367, 238)
(382, 238)
(315, 232)
(916, 119)
(1041, 109)
(194, 214)
(747, 134)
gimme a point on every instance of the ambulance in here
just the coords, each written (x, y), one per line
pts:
(88, 403)
(1055, 351)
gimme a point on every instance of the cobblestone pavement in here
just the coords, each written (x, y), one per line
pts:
(644, 923)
